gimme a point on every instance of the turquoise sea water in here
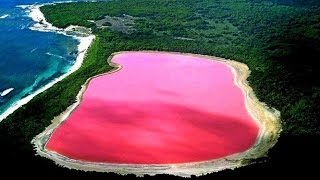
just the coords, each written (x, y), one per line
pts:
(29, 59)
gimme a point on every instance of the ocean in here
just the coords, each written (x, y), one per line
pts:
(29, 59)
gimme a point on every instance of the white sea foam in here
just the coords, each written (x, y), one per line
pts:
(5, 92)
(33, 50)
(43, 25)
(4, 16)
(55, 55)
(23, 6)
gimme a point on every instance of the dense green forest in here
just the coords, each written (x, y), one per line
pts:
(278, 39)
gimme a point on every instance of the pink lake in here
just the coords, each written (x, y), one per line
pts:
(159, 108)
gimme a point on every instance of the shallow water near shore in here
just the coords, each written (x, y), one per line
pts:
(29, 59)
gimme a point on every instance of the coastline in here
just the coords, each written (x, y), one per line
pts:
(85, 40)
(267, 118)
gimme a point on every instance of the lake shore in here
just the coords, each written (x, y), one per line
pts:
(267, 118)
(41, 24)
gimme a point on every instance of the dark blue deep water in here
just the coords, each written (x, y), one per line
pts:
(29, 59)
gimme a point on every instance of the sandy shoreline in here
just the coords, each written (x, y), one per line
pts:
(43, 25)
(268, 120)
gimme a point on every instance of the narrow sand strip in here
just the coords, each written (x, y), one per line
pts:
(267, 118)
(43, 25)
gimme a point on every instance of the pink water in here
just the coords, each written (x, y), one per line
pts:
(159, 108)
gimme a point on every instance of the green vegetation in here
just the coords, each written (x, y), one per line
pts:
(278, 39)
